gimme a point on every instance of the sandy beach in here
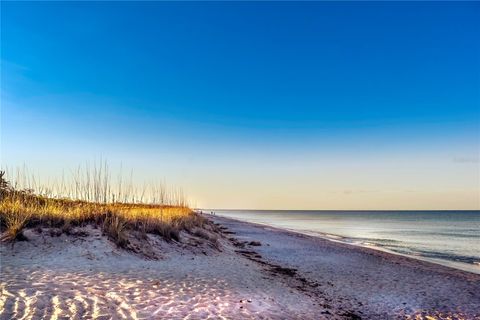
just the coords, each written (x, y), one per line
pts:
(283, 160)
(249, 272)
(371, 283)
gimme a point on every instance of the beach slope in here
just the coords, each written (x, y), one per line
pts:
(248, 272)
(375, 284)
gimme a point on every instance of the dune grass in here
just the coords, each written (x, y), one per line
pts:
(24, 208)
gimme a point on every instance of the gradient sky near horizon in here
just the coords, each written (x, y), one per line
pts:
(262, 105)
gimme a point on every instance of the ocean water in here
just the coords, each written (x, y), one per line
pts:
(447, 237)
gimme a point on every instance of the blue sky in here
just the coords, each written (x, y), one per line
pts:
(234, 100)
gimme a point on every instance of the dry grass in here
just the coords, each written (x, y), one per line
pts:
(25, 208)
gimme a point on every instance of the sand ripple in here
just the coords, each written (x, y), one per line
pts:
(75, 295)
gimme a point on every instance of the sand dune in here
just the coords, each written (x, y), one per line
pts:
(258, 273)
(70, 278)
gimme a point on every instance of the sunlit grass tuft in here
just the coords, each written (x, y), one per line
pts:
(25, 208)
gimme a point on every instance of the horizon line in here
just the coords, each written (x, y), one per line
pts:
(357, 210)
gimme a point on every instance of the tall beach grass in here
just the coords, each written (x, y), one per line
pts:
(89, 196)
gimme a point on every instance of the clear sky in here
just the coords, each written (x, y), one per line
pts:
(312, 105)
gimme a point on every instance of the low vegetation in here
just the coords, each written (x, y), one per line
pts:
(24, 208)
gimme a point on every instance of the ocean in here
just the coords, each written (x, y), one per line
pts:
(450, 238)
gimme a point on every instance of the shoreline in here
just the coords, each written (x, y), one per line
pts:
(385, 284)
(472, 268)
(353, 246)
(252, 272)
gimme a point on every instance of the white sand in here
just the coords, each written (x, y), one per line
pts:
(371, 283)
(74, 277)
(88, 277)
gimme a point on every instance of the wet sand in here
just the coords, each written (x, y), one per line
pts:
(253, 272)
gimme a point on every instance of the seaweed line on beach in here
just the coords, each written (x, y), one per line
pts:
(294, 279)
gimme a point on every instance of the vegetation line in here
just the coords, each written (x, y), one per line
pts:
(91, 198)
